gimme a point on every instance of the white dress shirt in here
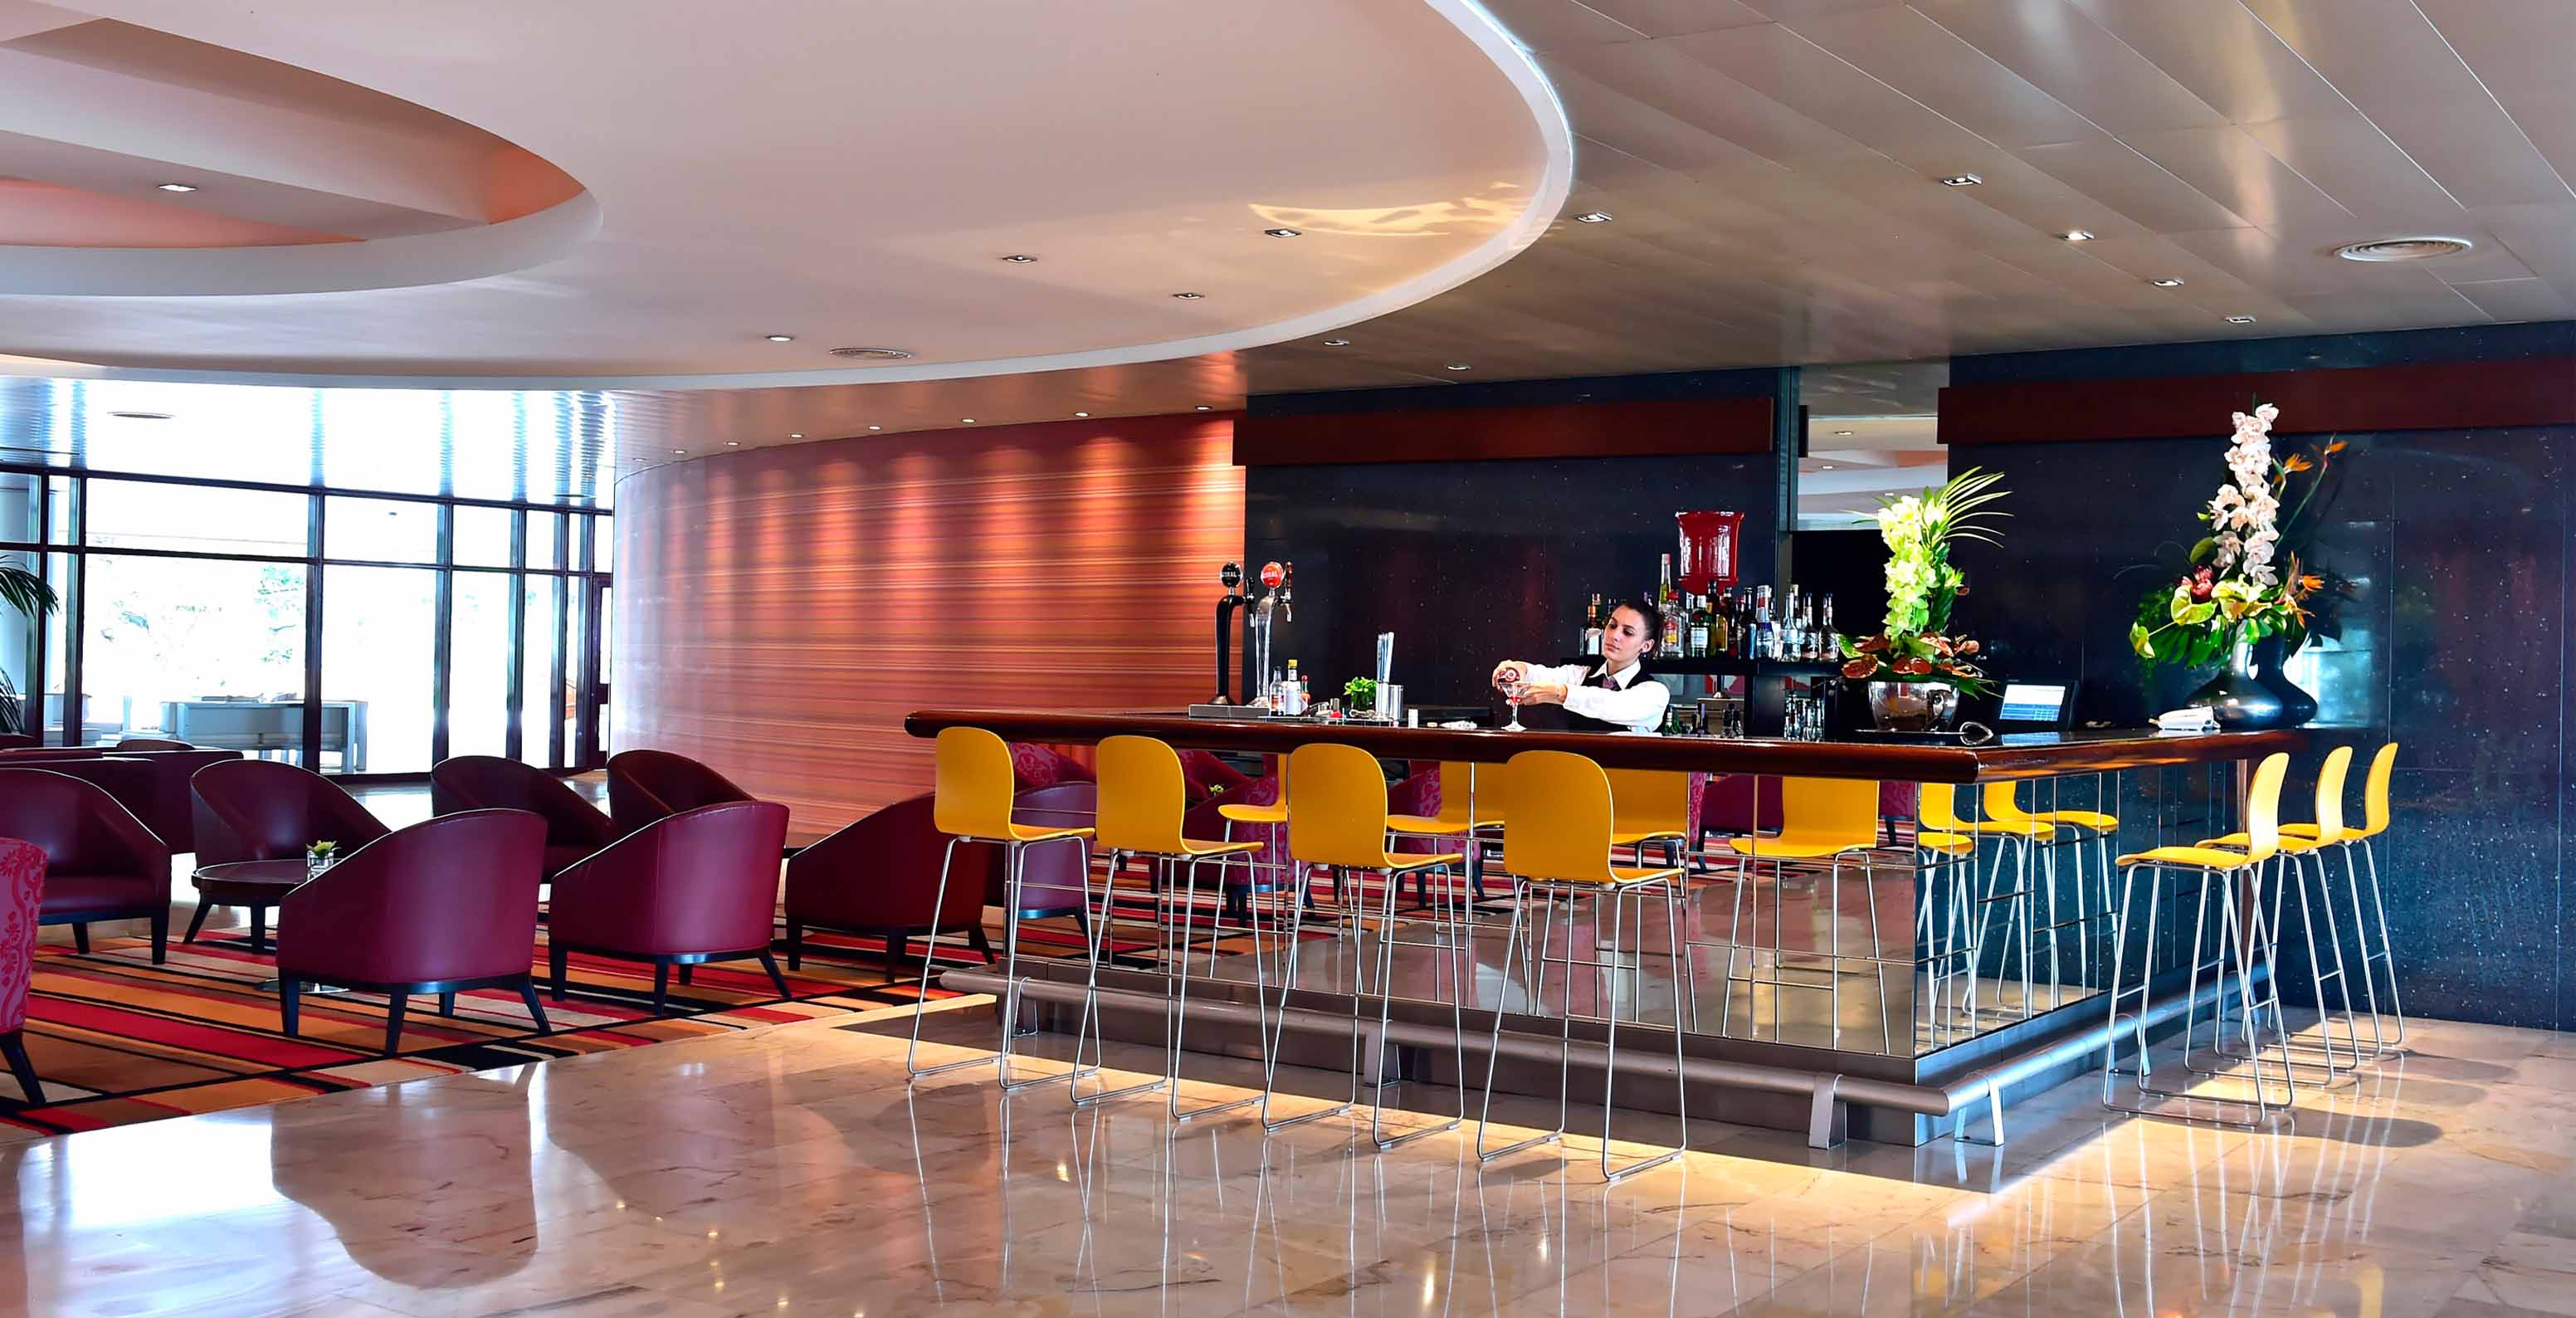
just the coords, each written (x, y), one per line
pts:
(1631, 699)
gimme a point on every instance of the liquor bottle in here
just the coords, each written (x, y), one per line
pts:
(1671, 642)
(1825, 623)
(1717, 637)
(1664, 586)
(1592, 626)
(1699, 627)
(1763, 637)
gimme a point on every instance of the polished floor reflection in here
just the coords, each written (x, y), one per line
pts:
(795, 1172)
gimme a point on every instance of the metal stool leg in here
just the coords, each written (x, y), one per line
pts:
(1303, 880)
(1088, 1028)
(1181, 1014)
(1564, 1064)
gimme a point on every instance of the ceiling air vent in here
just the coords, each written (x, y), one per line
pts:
(872, 354)
(2403, 249)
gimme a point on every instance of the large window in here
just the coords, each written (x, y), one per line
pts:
(358, 631)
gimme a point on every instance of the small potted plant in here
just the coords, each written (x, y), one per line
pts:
(317, 856)
(1915, 668)
(1359, 696)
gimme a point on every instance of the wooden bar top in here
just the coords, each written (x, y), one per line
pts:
(2015, 755)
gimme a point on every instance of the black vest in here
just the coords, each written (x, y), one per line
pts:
(1581, 723)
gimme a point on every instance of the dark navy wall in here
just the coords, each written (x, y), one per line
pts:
(1472, 562)
(2459, 643)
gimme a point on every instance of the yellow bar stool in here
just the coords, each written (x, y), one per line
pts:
(2375, 817)
(2219, 869)
(2290, 869)
(1650, 805)
(2002, 805)
(1274, 815)
(1945, 866)
(1567, 848)
(1821, 819)
(1938, 810)
(1470, 815)
(971, 802)
(1339, 822)
(1143, 796)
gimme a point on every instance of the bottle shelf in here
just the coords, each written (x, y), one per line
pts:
(1729, 666)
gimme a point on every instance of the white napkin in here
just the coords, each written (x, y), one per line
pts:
(2196, 719)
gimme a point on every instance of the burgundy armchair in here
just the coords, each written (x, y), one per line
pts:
(10, 741)
(647, 785)
(440, 906)
(101, 863)
(129, 745)
(574, 827)
(130, 782)
(698, 886)
(172, 813)
(881, 876)
(270, 810)
(22, 895)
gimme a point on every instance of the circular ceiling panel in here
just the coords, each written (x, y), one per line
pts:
(693, 196)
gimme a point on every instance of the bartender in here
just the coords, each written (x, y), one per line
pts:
(1615, 696)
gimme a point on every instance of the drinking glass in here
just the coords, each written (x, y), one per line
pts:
(1512, 696)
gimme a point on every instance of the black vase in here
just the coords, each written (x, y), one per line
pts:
(2239, 700)
(2297, 706)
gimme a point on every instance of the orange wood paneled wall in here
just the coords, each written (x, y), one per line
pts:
(780, 610)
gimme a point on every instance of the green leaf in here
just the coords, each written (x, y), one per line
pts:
(2204, 548)
(25, 591)
(2197, 614)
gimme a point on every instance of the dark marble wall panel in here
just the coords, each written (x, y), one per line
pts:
(1472, 562)
(2458, 642)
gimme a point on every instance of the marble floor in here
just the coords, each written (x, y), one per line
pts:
(793, 1172)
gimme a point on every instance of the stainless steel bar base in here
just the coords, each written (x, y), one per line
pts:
(1824, 1098)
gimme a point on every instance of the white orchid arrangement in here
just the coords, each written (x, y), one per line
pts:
(1913, 644)
(2241, 584)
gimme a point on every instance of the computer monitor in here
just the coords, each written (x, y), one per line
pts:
(2036, 705)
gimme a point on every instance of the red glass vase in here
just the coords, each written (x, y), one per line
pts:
(1708, 550)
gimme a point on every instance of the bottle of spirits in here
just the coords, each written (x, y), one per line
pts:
(1671, 642)
(1699, 627)
(1762, 623)
(1717, 637)
(1592, 626)
(1825, 623)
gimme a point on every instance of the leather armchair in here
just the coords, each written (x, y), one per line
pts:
(881, 876)
(129, 781)
(101, 863)
(22, 895)
(268, 810)
(10, 741)
(698, 886)
(440, 906)
(30, 754)
(129, 745)
(173, 811)
(1052, 881)
(574, 827)
(645, 785)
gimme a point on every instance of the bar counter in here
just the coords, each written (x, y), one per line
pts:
(2011, 757)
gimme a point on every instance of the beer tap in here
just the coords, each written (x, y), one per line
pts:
(1278, 598)
(1230, 577)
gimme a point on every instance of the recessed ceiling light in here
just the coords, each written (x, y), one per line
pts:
(1204, 407)
(2166, 283)
(2403, 249)
(1020, 258)
(1082, 414)
(1189, 297)
(178, 187)
(1824, 466)
(2079, 235)
(141, 416)
(1460, 366)
(1839, 434)
(782, 338)
(1593, 217)
(796, 434)
(967, 420)
(872, 354)
(1337, 343)
(679, 452)
(736, 443)
(1961, 181)
(876, 427)
(1285, 233)
(2240, 320)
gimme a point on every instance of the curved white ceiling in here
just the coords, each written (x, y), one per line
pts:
(850, 175)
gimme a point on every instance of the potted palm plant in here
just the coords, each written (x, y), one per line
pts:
(26, 592)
